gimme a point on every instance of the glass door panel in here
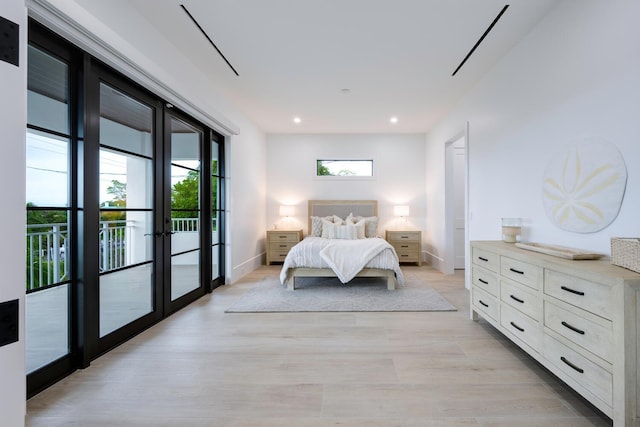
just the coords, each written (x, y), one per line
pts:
(48, 197)
(216, 212)
(126, 235)
(185, 208)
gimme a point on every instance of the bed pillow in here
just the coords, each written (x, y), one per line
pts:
(316, 224)
(360, 226)
(370, 225)
(331, 230)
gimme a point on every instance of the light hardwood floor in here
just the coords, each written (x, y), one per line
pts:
(202, 367)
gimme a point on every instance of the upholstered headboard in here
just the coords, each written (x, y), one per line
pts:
(342, 208)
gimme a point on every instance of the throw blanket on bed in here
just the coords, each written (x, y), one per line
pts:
(348, 257)
(308, 254)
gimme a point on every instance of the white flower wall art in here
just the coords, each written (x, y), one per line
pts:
(584, 185)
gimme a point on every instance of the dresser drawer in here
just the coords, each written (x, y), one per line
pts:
(522, 272)
(486, 259)
(485, 304)
(522, 326)
(486, 280)
(593, 297)
(597, 337)
(521, 298)
(592, 377)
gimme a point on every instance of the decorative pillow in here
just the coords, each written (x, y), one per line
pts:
(371, 225)
(337, 220)
(360, 226)
(338, 231)
(316, 225)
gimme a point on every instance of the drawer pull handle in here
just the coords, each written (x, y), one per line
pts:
(404, 246)
(483, 303)
(483, 259)
(517, 327)
(573, 291)
(403, 255)
(283, 246)
(571, 365)
(573, 328)
(483, 281)
(517, 299)
(516, 271)
(282, 237)
(404, 237)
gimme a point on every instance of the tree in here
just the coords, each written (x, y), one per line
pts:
(119, 192)
(185, 196)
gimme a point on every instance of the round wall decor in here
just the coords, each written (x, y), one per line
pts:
(583, 186)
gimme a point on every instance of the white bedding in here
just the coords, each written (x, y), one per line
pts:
(345, 257)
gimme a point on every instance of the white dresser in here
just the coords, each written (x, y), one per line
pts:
(580, 319)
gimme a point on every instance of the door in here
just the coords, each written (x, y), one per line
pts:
(459, 222)
(182, 213)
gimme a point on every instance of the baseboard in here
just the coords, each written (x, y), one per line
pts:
(246, 267)
(434, 261)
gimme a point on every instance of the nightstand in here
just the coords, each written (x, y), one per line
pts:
(279, 242)
(407, 244)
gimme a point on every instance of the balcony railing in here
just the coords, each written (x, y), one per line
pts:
(47, 248)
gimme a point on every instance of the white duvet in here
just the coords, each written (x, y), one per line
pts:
(345, 257)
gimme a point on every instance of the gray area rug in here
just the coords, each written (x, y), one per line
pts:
(317, 294)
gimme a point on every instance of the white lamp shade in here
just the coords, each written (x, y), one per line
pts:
(287, 210)
(401, 210)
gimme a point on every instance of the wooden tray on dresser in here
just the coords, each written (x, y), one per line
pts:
(558, 251)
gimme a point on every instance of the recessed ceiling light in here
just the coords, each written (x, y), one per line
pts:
(393, 120)
(297, 120)
(345, 91)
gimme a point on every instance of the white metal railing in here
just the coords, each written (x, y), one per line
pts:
(47, 248)
(46, 254)
(113, 244)
(185, 224)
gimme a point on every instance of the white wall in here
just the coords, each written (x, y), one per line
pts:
(13, 122)
(399, 174)
(575, 75)
(124, 29)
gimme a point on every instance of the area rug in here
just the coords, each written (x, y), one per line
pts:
(318, 294)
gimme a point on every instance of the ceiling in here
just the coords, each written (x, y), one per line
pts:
(342, 66)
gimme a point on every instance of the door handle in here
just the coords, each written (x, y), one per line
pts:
(168, 233)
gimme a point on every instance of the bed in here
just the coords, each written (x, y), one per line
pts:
(377, 256)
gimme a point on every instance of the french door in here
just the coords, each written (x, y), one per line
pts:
(150, 243)
(125, 209)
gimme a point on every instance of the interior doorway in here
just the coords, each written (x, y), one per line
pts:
(456, 202)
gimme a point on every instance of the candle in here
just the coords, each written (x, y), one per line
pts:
(511, 229)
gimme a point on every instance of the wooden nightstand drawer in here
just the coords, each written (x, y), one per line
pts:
(403, 236)
(283, 236)
(280, 242)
